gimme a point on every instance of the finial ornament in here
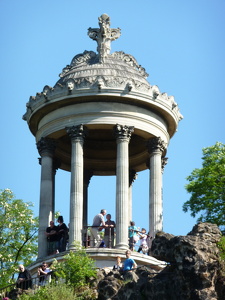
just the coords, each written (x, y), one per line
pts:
(104, 35)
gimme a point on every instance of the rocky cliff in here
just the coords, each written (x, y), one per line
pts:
(194, 270)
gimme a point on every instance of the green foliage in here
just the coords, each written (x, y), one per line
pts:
(221, 246)
(18, 239)
(51, 292)
(207, 187)
(73, 279)
(60, 291)
(76, 269)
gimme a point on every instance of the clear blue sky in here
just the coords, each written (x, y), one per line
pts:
(181, 44)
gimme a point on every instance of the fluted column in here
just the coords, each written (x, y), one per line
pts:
(87, 177)
(156, 147)
(123, 134)
(46, 149)
(132, 178)
(77, 134)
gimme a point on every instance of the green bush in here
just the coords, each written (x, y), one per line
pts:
(51, 292)
(73, 276)
(77, 269)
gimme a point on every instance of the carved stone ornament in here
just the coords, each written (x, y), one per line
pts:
(123, 131)
(164, 162)
(130, 60)
(78, 131)
(132, 176)
(156, 144)
(46, 145)
(104, 36)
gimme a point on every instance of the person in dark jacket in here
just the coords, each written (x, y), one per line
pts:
(62, 231)
(24, 280)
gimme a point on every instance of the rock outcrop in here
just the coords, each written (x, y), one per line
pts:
(194, 270)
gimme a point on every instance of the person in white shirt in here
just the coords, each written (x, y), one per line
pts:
(97, 222)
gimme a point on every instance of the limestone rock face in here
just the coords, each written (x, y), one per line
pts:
(193, 271)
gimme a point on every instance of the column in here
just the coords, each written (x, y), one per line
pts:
(87, 177)
(77, 134)
(132, 178)
(123, 134)
(46, 148)
(156, 147)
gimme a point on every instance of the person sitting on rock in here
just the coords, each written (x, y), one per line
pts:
(129, 264)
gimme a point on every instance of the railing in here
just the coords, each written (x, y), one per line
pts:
(32, 283)
(88, 241)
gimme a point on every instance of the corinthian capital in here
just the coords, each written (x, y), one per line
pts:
(46, 145)
(78, 131)
(156, 144)
(123, 131)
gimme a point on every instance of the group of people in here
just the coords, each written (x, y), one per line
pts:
(109, 226)
(24, 280)
(128, 265)
(135, 235)
(109, 230)
(57, 236)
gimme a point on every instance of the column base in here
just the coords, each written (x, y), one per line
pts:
(122, 246)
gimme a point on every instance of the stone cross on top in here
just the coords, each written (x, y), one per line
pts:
(104, 35)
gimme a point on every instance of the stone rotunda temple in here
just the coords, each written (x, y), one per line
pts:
(102, 117)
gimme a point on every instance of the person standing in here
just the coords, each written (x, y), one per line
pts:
(109, 232)
(97, 221)
(132, 231)
(24, 280)
(143, 245)
(52, 238)
(62, 231)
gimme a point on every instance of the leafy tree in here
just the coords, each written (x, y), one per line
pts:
(18, 238)
(207, 187)
(76, 269)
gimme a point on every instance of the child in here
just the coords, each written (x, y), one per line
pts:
(143, 237)
(118, 264)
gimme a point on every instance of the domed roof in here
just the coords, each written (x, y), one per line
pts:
(118, 69)
(104, 69)
(100, 89)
